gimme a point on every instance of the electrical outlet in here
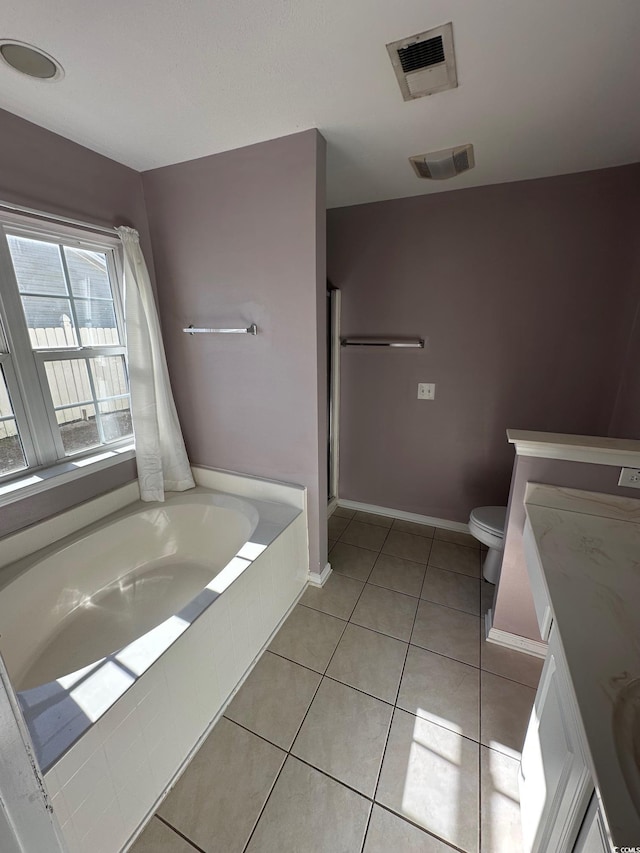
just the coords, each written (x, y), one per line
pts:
(426, 391)
(630, 477)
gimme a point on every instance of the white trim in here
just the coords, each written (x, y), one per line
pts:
(320, 579)
(405, 516)
(335, 390)
(250, 486)
(576, 448)
(536, 648)
(17, 545)
(38, 481)
(35, 416)
(27, 820)
(51, 224)
(331, 507)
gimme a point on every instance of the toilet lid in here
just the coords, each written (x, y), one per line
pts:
(490, 518)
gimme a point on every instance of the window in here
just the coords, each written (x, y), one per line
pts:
(64, 390)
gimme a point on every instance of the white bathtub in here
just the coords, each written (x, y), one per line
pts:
(127, 639)
(110, 585)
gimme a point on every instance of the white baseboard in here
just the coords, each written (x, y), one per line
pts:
(331, 507)
(406, 516)
(320, 579)
(512, 641)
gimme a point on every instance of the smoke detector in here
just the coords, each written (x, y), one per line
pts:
(438, 165)
(425, 63)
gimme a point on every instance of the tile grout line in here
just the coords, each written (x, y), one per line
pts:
(393, 705)
(384, 752)
(267, 798)
(428, 564)
(410, 594)
(393, 713)
(386, 741)
(392, 637)
(302, 761)
(344, 784)
(371, 799)
(428, 832)
(180, 834)
(288, 752)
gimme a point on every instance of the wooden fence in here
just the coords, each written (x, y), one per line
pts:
(69, 380)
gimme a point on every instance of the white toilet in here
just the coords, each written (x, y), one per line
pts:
(486, 523)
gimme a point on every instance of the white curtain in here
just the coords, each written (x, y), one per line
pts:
(160, 453)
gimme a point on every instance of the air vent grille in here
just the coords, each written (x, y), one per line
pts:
(440, 165)
(421, 54)
(421, 168)
(461, 160)
(424, 63)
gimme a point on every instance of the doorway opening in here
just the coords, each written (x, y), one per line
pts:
(333, 389)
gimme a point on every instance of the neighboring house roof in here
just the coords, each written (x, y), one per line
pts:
(39, 270)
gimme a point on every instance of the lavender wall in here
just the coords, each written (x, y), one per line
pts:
(513, 608)
(525, 294)
(42, 170)
(237, 238)
(625, 421)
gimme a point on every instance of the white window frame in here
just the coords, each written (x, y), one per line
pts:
(47, 464)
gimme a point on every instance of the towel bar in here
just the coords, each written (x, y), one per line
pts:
(250, 330)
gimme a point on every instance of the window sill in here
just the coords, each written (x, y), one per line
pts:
(65, 472)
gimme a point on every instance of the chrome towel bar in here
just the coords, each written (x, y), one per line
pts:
(250, 330)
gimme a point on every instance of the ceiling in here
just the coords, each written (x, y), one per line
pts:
(545, 87)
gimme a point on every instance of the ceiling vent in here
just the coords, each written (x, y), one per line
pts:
(425, 63)
(438, 165)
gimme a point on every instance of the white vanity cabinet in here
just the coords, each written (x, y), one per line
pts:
(555, 781)
(581, 550)
(538, 584)
(593, 836)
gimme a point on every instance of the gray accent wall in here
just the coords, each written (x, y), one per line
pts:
(238, 237)
(42, 170)
(526, 294)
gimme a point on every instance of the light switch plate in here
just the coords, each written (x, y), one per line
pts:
(426, 390)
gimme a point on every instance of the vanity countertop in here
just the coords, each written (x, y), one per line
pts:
(589, 549)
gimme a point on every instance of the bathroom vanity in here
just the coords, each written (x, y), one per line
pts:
(580, 770)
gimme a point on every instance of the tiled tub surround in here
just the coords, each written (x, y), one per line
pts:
(378, 720)
(142, 711)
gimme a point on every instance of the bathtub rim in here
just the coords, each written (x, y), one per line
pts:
(18, 544)
(11, 571)
(273, 518)
(74, 549)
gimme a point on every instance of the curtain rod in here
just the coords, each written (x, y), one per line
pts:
(53, 217)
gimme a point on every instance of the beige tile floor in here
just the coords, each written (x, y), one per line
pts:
(378, 720)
